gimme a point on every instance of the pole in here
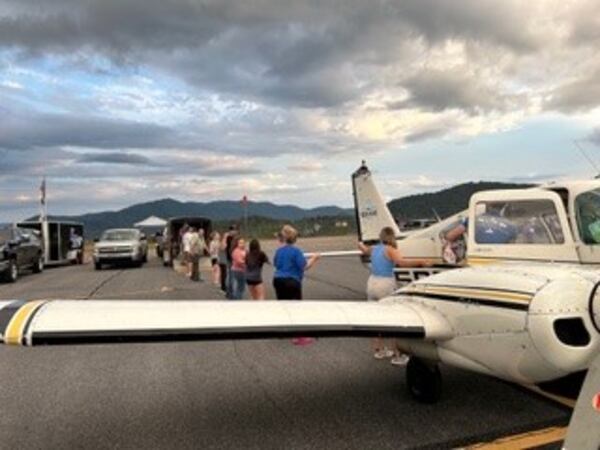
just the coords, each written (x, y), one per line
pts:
(44, 220)
(245, 212)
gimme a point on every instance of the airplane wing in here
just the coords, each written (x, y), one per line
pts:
(60, 322)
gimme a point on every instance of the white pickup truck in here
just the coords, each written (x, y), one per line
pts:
(120, 245)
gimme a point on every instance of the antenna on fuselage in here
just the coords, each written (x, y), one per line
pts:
(588, 159)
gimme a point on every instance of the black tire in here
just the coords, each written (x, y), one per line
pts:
(424, 381)
(12, 273)
(38, 266)
(97, 266)
(145, 258)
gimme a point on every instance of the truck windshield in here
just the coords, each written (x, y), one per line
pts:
(119, 235)
(587, 209)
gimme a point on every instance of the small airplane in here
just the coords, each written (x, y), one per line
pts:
(524, 306)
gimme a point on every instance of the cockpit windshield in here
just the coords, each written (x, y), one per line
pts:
(587, 208)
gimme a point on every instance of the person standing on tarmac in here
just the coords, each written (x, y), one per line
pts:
(382, 282)
(185, 246)
(213, 250)
(255, 260)
(238, 268)
(197, 248)
(230, 238)
(222, 259)
(290, 265)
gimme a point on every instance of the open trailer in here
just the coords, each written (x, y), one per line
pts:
(62, 241)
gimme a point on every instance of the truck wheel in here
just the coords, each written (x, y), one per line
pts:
(424, 381)
(13, 272)
(97, 266)
(39, 265)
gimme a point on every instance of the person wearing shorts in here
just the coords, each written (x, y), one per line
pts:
(382, 282)
(255, 260)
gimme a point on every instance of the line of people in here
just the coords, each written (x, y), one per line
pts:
(236, 267)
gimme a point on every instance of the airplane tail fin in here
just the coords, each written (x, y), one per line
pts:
(372, 213)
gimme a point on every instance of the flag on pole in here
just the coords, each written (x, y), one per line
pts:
(245, 210)
(43, 192)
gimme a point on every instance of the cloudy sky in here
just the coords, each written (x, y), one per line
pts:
(118, 102)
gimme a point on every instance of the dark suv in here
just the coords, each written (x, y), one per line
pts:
(19, 249)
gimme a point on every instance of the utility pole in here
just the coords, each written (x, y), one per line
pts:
(245, 212)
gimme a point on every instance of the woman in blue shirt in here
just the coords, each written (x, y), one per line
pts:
(290, 265)
(382, 281)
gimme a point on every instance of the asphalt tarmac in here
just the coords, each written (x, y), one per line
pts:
(235, 394)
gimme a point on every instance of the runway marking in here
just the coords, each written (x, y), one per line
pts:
(530, 439)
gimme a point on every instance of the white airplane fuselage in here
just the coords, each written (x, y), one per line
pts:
(527, 324)
(524, 307)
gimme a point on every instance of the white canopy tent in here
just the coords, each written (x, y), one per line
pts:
(151, 222)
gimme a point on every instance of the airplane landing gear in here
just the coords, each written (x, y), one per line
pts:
(424, 380)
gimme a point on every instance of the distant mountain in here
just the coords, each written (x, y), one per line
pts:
(265, 215)
(217, 211)
(446, 202)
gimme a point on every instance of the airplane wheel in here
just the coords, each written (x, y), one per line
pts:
(424, 381)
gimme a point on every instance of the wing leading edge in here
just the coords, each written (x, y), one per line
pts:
(61, 322)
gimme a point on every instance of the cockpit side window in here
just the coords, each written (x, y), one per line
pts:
(518, 222)
(587, 209)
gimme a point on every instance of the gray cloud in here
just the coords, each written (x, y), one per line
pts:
(277, 53)
(584, 28)
(115, 158)
(507, 25)
(56, 130)
(594, 137)
(579, 95)
(455, 89)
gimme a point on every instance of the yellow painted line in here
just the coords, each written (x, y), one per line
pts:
(565, 401)
(14, 330)
(530, 439)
